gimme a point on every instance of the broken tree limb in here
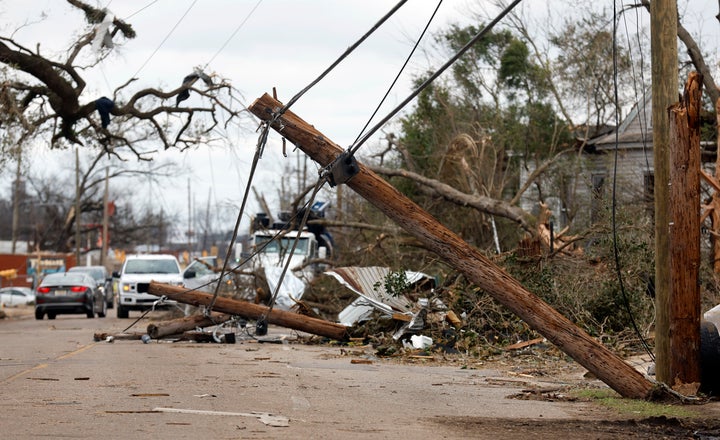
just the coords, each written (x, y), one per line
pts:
(559, 330)
(248, 310)
(177, 326)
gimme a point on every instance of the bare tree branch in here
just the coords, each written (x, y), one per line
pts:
(481, 203)
(51, 97)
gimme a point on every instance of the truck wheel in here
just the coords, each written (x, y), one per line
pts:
(121, 312)
(39, 314)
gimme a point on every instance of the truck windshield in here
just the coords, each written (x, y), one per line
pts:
(284, 244)
(151, 266)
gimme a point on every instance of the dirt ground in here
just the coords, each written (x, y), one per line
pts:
(56, 381)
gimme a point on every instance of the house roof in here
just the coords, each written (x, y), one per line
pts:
(634, 132)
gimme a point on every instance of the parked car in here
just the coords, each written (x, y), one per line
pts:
(102, 278)
(199, 275)
(16, 296)
(68, 293)
(134, 279)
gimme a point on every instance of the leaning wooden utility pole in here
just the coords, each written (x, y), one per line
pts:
(567, 336)
(683, 307)
(663, 38)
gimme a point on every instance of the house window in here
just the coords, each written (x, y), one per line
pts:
(598, 197)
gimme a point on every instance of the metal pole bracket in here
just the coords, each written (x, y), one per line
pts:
(342, 169)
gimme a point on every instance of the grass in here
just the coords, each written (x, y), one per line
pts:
(635, 407)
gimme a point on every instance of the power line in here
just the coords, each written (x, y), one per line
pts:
(139, 10)
(397, 77)
(262, 139)
(616, 250)
(353, 148)
(165, 39)
(343, 56)
(237, 29)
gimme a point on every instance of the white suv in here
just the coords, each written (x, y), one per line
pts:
(135, 277)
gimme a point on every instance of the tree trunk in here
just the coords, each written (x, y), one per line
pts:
(539, 315)
(248, 310)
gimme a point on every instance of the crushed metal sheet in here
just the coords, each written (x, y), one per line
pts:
(368, 284)
(266, 418)
(291, 289)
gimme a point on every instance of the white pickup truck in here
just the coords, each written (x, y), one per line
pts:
(134, 278)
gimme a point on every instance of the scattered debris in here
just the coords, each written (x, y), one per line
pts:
(368, 284)
(523, 344)
(116, 336)
(453, 319)
(202, 336)
(266, 418)
(421, 342)
(407, 297)
(188, 81)
(291, 290)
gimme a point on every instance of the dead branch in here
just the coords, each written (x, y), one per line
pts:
(481, 203)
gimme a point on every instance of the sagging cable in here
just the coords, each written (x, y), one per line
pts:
(353, 148)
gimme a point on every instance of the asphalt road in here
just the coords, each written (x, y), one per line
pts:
(56, 382)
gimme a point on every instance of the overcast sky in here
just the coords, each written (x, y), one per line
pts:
(284, 44)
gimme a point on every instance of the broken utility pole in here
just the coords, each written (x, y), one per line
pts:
(249, 310)
(567, 336)
(178, 326)
(683, 302)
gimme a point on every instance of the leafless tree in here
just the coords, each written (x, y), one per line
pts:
(40, 95)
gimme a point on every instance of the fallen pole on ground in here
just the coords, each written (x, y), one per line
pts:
(109, 337)
(181, 325)
(252, 311)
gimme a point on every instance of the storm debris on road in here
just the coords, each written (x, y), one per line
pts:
(266, 418)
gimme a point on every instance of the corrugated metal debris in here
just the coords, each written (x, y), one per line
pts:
(368, 284)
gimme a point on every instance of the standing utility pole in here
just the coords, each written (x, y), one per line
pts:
(190, 226)
(663, 36)
(16, 203)
(466, 259)
(77, 207)
(104, 248)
